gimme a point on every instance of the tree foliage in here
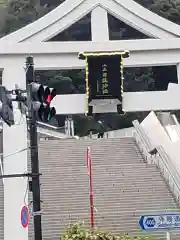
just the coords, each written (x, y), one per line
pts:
(19, 13)
(169, 9)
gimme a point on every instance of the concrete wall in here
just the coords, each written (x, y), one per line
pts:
(14, 140)
(159, 136)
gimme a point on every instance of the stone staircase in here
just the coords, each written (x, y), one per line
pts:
(125, 187)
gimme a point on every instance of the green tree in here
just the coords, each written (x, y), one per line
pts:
(19, 13)
(169, 9)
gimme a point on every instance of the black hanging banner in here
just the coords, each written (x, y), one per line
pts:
(104, 75)
(104, 78)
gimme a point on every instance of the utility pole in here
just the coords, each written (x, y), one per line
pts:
(37, 100)
(32, 125)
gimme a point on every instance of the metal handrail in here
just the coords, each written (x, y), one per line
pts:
(51, 133)
(41, 124)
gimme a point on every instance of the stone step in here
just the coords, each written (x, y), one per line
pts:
(75, 209)
(122, 191)
(65, 163)
(121, 148)
(113, 201)
(122, 195)
(83, 207)
(80, 143)
(133, 222)
(121, 226)
(83, 173)
(82, 167)
(69, 142)
(104, 191)
(73, 157)
(84, 145)
(118, 157)
(115, 185)
(116, 196)
(125, 187)
(100, 201)
(96, 148)
(81, 157)
(99, 174)
(120, 168)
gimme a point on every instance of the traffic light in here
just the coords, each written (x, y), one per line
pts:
(41, 100)
(6, 106)
(40, 95)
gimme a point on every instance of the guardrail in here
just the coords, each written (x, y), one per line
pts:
(159, 157)
(45, 125)
(51, 133)
(50, 130)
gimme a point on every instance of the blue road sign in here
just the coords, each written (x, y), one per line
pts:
(162, 221)
(24, 216)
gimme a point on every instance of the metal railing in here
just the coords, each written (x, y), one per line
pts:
(51, 133)
(46, 125)
(160, 158)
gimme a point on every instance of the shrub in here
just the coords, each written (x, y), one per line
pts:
(78, 231)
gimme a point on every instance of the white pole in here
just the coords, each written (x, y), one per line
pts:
(168, 235)
(72, 127)
(67, 127)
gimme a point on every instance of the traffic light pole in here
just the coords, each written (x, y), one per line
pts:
(32, 125)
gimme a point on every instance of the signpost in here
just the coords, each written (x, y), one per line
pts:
(24, 216)
(160, 222)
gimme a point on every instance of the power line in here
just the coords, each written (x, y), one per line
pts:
(12, 154)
